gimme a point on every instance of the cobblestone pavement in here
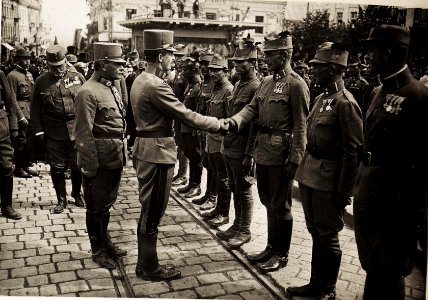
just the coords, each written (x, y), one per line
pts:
(47, 254)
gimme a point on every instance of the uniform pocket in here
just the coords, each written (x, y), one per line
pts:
(48, 98)
(4, 125)
(108, 112)
(325, 134)
(23, 90)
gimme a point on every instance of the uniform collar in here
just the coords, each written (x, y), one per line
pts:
(251, 77)
(21, 69)
(282, 73)
(103, 80)
(333, 88)
(397, 80)
(221, 84)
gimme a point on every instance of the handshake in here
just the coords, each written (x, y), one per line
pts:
(227, 125)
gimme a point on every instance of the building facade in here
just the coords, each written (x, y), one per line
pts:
(20, 25)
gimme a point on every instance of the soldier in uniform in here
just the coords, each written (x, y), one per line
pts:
(302, 69)
(327, 172)
(238, 149)
(100, 132)
(392, 179)
(355, 83)
(8, 128)
(222, 90)
(191, 146)
(52, 113)
(21, 83)
(179, 87)
(281, 106)
(209, 199)
(154, 154)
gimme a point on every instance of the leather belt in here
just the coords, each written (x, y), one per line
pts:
(159, 133)
(314, 152)
(270, 130)
(63, 117)
(108, 135)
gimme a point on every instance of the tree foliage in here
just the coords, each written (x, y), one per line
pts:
(315, 30)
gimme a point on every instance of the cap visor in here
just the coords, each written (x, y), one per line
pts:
(57, 63)
(118, 60)
(317, 61)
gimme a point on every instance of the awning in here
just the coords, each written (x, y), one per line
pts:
(7, 46)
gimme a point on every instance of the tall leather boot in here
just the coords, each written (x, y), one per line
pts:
(111, 249)
(233, 230)
(149, 268)
(206, 196)
(268, 252)
(246, 214)
(312, 289)
(6, 188)
(19, 164)
(94, 226)
(223, 201)
(283, 232)
(76, 186)
(183, 165)
(330, 264)
(58, 180)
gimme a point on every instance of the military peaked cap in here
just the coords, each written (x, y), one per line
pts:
(55, 55)
(279, 41)
(330, 53)
(108, 51)
(158, 39)
(389, 34)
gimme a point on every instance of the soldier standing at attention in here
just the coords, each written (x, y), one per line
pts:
(238, 149)
(100, 132)
(8, 128)
(392, 178)
(22, 84)
(327, 172)
(222, 90)
(209, 199)
(52, 113)
(281, 106)
(154, 155)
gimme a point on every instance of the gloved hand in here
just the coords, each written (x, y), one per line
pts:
(290, 169)
(89, 173)
(343, 200)
(247, 165)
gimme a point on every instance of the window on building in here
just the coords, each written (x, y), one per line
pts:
(260, 19)
(130, 12)
(105, 24)
(354, 15)
(211, 16)
(339, 15)
(236, 17)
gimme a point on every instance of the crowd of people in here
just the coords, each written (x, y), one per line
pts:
(342, 128)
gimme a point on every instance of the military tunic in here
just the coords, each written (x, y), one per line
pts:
(154, 155)
(22, 84)
(281, 106)
(100, 130)
(330, 164)
(52, 113)
(392, 178)
(8, 123)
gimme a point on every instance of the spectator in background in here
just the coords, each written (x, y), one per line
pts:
(196, 9)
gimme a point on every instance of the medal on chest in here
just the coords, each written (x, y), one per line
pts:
(326, 105)
(279, 86)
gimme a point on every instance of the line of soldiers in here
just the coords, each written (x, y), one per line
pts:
(262, 127)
